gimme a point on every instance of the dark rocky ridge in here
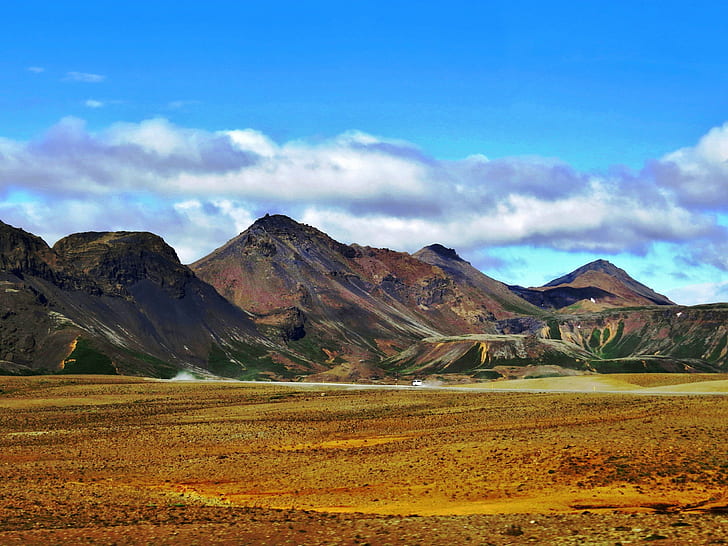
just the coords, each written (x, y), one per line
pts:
(24, 253)
(125, 300)
(300, 304)
(117, 261)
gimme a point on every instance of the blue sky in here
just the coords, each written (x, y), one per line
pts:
(530, 136)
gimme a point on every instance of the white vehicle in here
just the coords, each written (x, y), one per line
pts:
(417, 382)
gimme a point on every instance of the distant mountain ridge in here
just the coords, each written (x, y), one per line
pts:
(284, 300)
(594, 286)
(605, 267)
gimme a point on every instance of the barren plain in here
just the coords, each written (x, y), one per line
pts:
(120, 460)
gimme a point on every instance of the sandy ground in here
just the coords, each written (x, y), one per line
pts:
(127, 461)
(633, 383)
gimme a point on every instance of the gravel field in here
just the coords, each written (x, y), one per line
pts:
(115, 460)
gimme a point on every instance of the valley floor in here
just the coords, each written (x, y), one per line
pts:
(127, 460)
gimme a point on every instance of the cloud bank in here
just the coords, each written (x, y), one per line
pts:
(198, 188)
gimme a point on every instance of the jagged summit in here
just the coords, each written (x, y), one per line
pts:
(493, 295)
(78, 245)
(273, 234)
(22, 252)
(439, 250)
(118, 260)
(277, 222)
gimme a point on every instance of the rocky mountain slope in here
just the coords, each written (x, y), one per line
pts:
(634, 340)
(285, 300)
(595, 286)
(348, 303)
(493, 294)
(117, 303)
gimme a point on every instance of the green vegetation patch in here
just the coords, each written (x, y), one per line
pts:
(246, 362)
(687, 347)
(159, 368)
(219, 363)
(611, 348)
(554, 330)
(595, 339)
(469, 361)
(85, 359)
(309, 347)
(553, 357)
(719, 348)
(622, 346)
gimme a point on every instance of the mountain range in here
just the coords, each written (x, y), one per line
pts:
(283, 300)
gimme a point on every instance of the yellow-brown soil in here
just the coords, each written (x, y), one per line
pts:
(124, 460)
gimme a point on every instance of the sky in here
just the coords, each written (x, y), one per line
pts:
(532, 137)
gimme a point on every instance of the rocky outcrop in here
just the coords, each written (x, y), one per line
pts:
(661, 339)
(488, 356)
(119, 300)
(116, 261)
(22, 253)
(672, 338)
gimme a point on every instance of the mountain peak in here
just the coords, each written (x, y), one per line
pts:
(441, 251)
(604, 275)
(120, 259)
(600, 265)
(277, 223)
(24, 252)
(93, 243)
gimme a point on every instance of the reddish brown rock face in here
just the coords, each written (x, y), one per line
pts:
(358, 302)
(284, 300)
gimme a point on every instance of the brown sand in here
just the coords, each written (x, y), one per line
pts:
(127, 461)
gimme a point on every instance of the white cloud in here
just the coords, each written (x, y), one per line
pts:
(298, 172)
(695, 294)
(699, 174)
(157, 135)
(252, 141)
(92, 103)
(377, 230)
(198, 188)
(204, 221)
(35, 69)
(85, 77)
